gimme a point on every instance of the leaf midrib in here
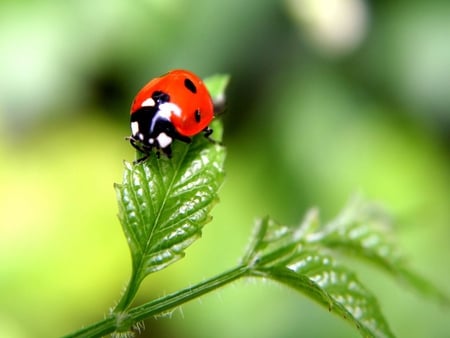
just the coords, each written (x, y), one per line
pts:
(161, 208)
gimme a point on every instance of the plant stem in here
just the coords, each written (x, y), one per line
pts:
(129, 294)
(123, 321)
(177, 298)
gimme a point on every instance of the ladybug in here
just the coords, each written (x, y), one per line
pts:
(176, 105)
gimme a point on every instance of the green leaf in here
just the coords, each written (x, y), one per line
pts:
(364, 230)
(350, 299)
(216, 85)
(271, 244)
(337, 289)
(164, 203)
(283, 254)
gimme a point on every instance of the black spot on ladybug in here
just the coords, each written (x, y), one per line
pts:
(190, 86)
(160, 97)
(197, 116)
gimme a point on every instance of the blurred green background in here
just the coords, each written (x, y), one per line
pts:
(328, 98)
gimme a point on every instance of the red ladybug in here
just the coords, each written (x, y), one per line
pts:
(176, 105)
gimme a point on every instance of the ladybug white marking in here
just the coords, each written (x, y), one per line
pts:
(167, 109)
(148, 103)
(134, 128)
(164, 140)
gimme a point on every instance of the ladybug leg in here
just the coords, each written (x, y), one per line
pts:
(174, 135)
(207, 133)
(167, 151)
(142, 159)
(139, 147)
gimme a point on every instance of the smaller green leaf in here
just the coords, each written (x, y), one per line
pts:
(299, 282)
(364, 230)
(269, 237)
(349, 298)
(282, 254)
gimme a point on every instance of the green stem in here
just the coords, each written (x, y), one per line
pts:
(123, 321)
(129, 294)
